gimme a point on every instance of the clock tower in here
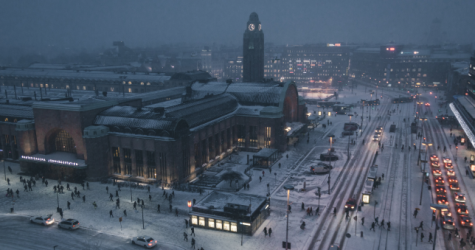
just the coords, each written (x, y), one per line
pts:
(253, 50)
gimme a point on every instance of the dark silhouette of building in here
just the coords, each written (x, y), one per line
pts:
(253, 50)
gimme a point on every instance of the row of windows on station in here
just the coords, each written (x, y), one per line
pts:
(214, 224)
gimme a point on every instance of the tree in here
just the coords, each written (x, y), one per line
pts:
(230, 176)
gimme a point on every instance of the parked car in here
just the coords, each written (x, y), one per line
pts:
(461, 208)
(43, 220)
(70, 224)
(465, 221)
(459, 197)
(144, 241)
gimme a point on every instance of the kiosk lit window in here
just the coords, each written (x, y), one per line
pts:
(202, 221)
(233, 226)
(219, 224)
(366, 198)
(194, 220)
(211, 223)
(226, 226)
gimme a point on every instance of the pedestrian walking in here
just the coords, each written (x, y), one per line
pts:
(125, 213)
(260, 178)
(110, 214)
(135, 205)
(382, 176)
(422, 237)
(192, 230)
(389, 226)
(303, 206)
(69, 205)
(334, 211)
(84, 199)
(61, 213)
(186, 223)
(150, 197)
(372, 226)
(317, 211)
(382, 224)
(116, 193)
(111, 196)
(17, 193)
(46, 183)
(143, 203)
(421, 226)
(193, 243)
(362, 221)
(415, 212)
(265, 231)
(10, 169)
(270, 231)
(185, 236)
(94, 204)
(107, 189)
(430, 237)
(158, 208)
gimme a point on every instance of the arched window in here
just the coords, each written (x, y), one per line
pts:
(63, 142)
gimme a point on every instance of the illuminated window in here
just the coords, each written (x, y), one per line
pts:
(130, 90)
(148, 83)
(194, 220)
(41, 85)
(64, 142)
(233, 227)
(46, 85)
(226, 226)
(219, 224)
(130, 82)
(202, 221)
(141, 83)
(267, 137)
(83, 87)
(6, 119)
(211, 223)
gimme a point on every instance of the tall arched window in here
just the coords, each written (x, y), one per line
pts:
(64, 142)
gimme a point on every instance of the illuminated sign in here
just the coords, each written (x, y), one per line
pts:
(337, 44)
(366, 198)
(391, 49)
(31, 158)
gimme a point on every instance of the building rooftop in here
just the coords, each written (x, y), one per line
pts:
(216, 201)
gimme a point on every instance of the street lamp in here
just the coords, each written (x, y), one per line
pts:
(423, 119)
(189, 206)
(350, 115)
(439, 208)
(331, 144)
(288, 188)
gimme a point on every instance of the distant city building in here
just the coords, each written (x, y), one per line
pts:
(315, 64)
(404, 67)
(253, 50)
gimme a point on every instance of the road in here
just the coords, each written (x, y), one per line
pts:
(18, 233)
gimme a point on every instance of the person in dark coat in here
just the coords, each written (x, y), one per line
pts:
(362, 221)
(125, 213)
(158, 208)
(270, 231)
(116, 193)
(193, 242)
(265, 231)
(84, 199)
(372, 226)
(430, 237)
(8, 181)
(422, 237)
(186, 223)
(110, 197)
(185, 236)
(69, 205)
(135, 205)
(192, 231)
(17, 193)
(150, 197)
(10, 169)
(110, 214)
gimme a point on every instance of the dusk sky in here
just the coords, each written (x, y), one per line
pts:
(93, 23)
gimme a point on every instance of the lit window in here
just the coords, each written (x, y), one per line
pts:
(226, 226)
(194, 220)
(130, 82)
(233, 227)
(83, 87)
(219, 224)
(148, 83)
(211, 223)
(141, 83)
(202, 221)
(130, 90)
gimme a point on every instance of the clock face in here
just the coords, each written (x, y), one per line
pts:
(260, 27)
(251, 27)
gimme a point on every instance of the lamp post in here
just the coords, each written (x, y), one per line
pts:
(4, 170)
(331, 144)
(423, 119)
(288, 188)
(438, 208)
(189, 206)
(130, 190)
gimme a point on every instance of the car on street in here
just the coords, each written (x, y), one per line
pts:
(434, 158)
(442, 199)
(434, 164)
(436, 172)
(379, 129)
(440, 189)
(375, 138)
(439, 180)
(452, 179)
(448, 223)
(333, 246)
(450, 172)
(449, 166)
(465, 221)
(461, 208)
(427, 104)
(454, 186)
(446, 160)
(43, 220)
(70, 224)
(350, 204)
(459, 197)
(144, 241)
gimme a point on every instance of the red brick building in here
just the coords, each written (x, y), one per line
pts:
(169, 141)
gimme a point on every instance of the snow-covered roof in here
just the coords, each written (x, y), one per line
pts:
(468, 103)
(16, 111)
(81, 74)
(266, 152)
(218, 201)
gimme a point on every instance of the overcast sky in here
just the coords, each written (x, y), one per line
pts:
(93, 23)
